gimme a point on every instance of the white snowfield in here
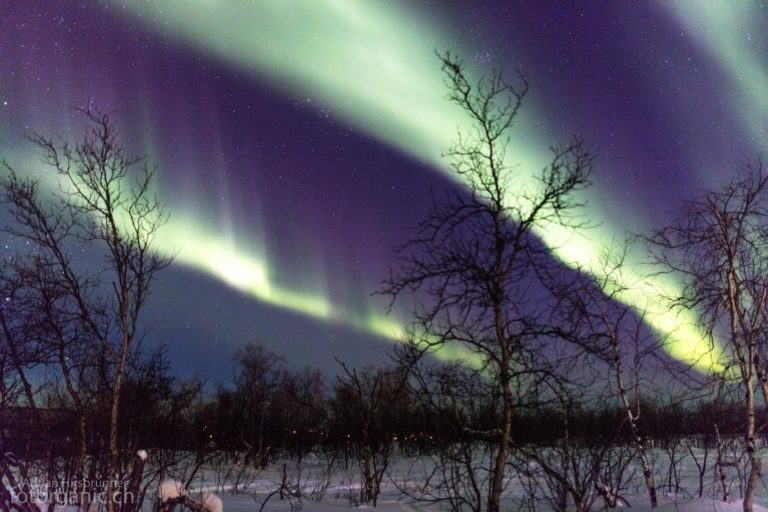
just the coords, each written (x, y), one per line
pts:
(339, 489)
(212, 502)
(170, 489)
(240, 503)
(252, 503)
(700, 505)
(312, 487)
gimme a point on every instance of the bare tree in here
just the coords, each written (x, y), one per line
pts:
(465, 405)
(614, 333)
(363, 401)
(717, 247)
(105, 206)
(41, 325)
(259, 374)
(473, 259)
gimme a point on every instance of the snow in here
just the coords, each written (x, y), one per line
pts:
(639, 503)
(41, 505)
(344, 487)
(699, 505)
(212, 502)
(170, 489)
(341, 488)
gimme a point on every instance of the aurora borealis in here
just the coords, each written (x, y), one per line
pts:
(298, 141)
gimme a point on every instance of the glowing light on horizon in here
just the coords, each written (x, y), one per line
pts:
(374, 66)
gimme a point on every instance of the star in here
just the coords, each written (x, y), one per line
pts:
(289, 180)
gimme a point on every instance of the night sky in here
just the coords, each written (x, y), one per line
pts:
(299, 141)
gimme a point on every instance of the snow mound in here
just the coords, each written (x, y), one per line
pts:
(170, 490)
(212, 502)
(699, 505)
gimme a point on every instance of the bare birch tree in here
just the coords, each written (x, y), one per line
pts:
(717, 247)
(472, 260)
(106, 207)
(615, 334)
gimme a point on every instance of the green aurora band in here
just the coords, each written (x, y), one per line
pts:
(375, 67)
(724, 30)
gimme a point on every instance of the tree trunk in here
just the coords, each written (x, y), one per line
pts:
(114, 448)
(497, 486)
(130, 499)
(494, 502)
(755, 464)
(638, 441)
(368, 477)
(747, 367)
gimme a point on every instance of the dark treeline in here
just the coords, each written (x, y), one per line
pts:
(269, 412)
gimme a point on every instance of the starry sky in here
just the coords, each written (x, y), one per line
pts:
(298, 142)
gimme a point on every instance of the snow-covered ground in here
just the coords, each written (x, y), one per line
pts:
(321, 490)
(639, 503)
(343, 487)
(241, 503)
